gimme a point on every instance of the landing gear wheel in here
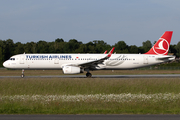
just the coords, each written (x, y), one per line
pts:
(22, 76)
(89, 75)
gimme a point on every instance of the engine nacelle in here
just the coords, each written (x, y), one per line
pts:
(71, 70)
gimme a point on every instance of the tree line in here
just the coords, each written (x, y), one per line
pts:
(8, 48)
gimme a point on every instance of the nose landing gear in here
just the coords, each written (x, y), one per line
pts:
(22, 75)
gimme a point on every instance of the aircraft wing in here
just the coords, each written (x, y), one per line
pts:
(93, 63)
(98, 61)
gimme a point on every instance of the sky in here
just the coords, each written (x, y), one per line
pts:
(131, 21)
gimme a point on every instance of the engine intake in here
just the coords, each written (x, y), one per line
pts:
(71, 70)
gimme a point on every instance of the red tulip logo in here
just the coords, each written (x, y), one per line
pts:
(161, 47)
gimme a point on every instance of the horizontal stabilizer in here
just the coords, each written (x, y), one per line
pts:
(166, 58)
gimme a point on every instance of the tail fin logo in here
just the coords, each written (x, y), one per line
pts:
(161, 47)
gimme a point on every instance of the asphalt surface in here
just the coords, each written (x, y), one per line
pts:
(89, 117)
(102, 76)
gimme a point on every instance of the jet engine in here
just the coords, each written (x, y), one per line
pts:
(71, 70)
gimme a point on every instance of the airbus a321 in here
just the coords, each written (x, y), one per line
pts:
(78, 63)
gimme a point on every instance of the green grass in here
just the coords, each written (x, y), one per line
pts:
(10, 87)
(90, 108)
(72, 86)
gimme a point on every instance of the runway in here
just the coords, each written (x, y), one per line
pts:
(101, 76)
(89, 117)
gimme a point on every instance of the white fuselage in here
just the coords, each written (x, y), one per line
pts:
(56, 61)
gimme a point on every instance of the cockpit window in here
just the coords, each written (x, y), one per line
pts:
(11, 58)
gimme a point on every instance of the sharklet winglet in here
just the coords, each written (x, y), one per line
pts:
(110, 52)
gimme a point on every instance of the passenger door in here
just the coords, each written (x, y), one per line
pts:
(22, 58)
(145, 59)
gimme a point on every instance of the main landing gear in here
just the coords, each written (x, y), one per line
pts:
(88, 74)
(22, 75)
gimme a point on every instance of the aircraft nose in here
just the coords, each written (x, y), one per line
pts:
(5, 64)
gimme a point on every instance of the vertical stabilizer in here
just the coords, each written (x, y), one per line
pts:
(162, 45)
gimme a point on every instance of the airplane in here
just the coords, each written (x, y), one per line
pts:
(78, 63)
